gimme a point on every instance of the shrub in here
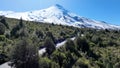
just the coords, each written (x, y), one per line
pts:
(47, 63)
(70, 45)
(82, 44)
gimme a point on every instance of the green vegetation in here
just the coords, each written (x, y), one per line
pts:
(24, 55)
(49, 45)
(2, 29)
(92, 48)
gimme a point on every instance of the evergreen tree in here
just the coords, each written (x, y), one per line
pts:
(70, 45)
(49, 34)
(15, 31)
(23, 33)
(50, 46)
(24, 55)
(82, 44)
(21, 23)
(39, 34)
(4, 22)
(2, 29)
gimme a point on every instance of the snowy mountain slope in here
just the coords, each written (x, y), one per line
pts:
(58, 15)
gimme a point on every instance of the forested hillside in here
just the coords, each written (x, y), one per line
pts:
(92, 48)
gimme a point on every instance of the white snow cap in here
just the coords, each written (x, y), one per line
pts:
(58, 15)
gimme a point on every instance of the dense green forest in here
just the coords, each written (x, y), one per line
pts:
(92, 48)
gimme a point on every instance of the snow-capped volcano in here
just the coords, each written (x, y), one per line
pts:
(58, 15)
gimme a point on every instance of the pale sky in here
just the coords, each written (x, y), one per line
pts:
(101, 10)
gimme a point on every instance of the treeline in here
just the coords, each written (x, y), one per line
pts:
(92, 48)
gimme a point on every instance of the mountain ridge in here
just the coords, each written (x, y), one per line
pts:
(58, 15)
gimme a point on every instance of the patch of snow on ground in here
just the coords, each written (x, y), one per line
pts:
(5, 65)
(41, 51)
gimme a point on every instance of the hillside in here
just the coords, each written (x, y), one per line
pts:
(92, 48)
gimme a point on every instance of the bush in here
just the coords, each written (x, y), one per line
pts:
(58, 57)
(2, 38)
(81, 63)
(39, 34)
(82, 44)
(117, 65)
(70, 45)
(47, 63)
